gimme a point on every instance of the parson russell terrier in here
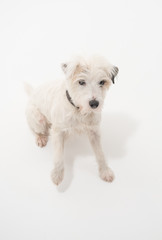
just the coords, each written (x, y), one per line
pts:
(72, 106)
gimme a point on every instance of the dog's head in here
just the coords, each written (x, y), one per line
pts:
(88, 80)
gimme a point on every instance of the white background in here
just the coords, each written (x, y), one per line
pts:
(35, 37)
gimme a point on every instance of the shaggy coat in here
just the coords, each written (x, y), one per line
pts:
(72, 105)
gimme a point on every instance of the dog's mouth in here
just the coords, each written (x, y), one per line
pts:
(96, 110)
(89, 110)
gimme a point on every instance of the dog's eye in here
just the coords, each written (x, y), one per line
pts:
(101, 83)
(82, 82)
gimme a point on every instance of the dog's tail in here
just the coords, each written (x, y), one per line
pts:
(28, 88)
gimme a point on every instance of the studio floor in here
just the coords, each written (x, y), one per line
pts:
(35, 38)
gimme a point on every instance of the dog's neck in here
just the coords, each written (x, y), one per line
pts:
(70, 99)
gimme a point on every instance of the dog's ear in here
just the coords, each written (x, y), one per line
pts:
(64, 67)
(75, 65)
(71, 68)
(114, 73)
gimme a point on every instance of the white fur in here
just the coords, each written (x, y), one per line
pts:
(49, 109)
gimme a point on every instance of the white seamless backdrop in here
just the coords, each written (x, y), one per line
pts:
(35, 37)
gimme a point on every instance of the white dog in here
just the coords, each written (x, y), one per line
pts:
(70, 106)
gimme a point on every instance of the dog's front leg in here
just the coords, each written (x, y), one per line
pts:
(105, 172)
(58, 143)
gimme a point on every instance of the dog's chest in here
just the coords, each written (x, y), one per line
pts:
(73, 121)
(82, 123)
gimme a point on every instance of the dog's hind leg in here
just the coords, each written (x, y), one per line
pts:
(38, 124)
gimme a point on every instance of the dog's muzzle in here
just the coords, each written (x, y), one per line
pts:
(93, 104)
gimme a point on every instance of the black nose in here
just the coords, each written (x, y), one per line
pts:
(93, 104)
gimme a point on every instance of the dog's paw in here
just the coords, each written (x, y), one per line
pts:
(57, 176)
(107, 175)
(41, 140)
